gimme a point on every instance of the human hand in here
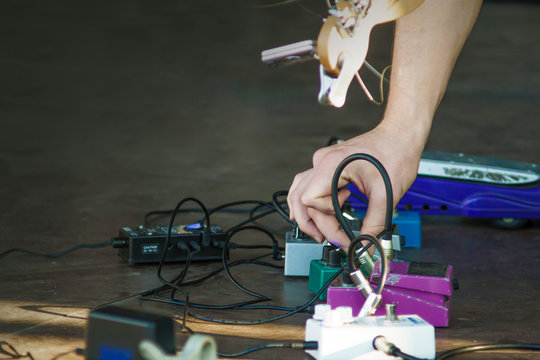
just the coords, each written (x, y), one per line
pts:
(309, 199)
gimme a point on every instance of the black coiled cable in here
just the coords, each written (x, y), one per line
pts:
(356, 240)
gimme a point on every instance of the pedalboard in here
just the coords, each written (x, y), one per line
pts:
(145, 245)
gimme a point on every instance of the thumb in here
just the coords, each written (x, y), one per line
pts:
(343, 195)
(374, 221)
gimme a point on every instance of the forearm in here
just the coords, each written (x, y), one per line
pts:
(426, 46)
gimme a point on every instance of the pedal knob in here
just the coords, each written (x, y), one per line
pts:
(333, 319)
(320, 311)
(326, 253)
(346, 313)
(334, 260)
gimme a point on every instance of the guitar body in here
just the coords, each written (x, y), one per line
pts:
(344, 39)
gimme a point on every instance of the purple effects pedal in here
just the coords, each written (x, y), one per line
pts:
(424, 289)
(472, 186)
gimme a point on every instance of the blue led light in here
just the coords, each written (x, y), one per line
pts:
(196, 226)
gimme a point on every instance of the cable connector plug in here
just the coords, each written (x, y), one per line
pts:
(309, 309)
(119, 242)
(278, 255)
(361, 283)
(380, 343)
(206, 236)
(306, 345)
(194, 245)
(370, 306)
(366, 262)
(276, 252)
(181, 245)
(387, 245)
(218, 243)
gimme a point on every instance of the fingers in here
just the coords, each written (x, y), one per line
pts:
(324, 203)
(308, 225)
(292, 196)
(343, 195)
(298, 211)
(374, 220)
(315, 195)
(316, 216)
(329, 227)
(296, 190)
(319, 223)
(310, 200)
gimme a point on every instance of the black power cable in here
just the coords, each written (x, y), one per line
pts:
(180, 278)
(299, 309)
(489, 347)
(236, 203)
(153, 294)
(8, 349)
(251, 219)
(219, 270)
(168, 300)
(259, 207)
(220, 208)
(277, 205)
(381, 344)
(168, 240)
(276, 256)
(312, 345)
(58, 254)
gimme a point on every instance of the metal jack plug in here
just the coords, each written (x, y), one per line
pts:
(361, 283)
(373, 300)
(366, 262)
(370, 306)
(386, 243)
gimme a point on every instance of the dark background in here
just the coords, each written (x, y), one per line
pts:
(109, 109)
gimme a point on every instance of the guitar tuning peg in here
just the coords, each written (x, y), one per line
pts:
(362, 5)
(336, 13)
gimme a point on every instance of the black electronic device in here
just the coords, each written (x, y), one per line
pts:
(145, 245)
(114, 333)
